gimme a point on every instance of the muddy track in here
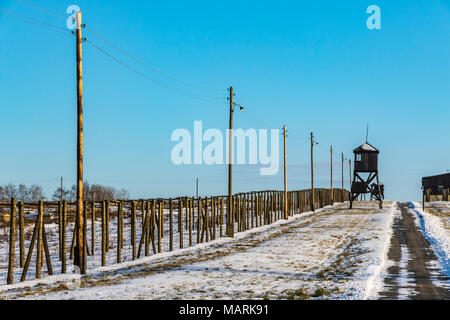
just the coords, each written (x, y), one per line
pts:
(408, 239)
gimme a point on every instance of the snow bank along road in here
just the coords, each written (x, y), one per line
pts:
(418, 261)
(334, 253)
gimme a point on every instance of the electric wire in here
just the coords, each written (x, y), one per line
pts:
(35, 22)
(148, 66)
(40, 8)
(153, 69)
(146, 76)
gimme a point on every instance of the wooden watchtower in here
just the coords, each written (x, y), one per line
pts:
(365, 171)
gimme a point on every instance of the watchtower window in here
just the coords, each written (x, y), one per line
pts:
(358, 157)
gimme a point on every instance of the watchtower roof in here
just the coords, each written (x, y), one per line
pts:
(366, 147)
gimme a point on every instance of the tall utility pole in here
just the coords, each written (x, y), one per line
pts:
(230, 217)
(350, 172)
(342, 191)
(61, 195)
(196, 188)
(313, 206)
(285, 177)
(79, 254)
(332, 196)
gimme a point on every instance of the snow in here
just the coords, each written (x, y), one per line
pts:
(368, 147)
(377, 268)
(340, 251)
(434, 223)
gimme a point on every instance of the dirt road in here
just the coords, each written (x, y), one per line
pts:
(411, 273)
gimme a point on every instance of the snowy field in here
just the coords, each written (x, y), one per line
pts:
(434, 223)
(94, 260)
(334, 253)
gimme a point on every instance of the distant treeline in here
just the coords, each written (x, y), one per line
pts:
(35, 193)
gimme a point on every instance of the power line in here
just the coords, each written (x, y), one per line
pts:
(153, 69)
(36, 22)
(148, 66)
(144, 75)
(40, 8)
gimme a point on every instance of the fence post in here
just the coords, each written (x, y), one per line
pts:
(180, 215)
(63, 240)
(85, 222)
(191, 201)
(47, 252)
(206, 225)
(107, 225)
(161, 214)
(93, 228)
(21, 235)
(39, 240)
(30, 250)
(170, 226)
(221, 216)
(152, 228)
(12, 240)
(213, 217)
(199, 217)
(119, 232)
(160, 218)
(104, 204)
(149, 216)
(60, 229)
(133, 229)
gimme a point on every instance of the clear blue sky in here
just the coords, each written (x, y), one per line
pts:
(312, 65)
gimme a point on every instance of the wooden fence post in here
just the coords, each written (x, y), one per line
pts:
(12, 241)
(170, 226)
(191, 204)
(21, 235)
(39, 240)
(160, 219)
(213, 217)
(199, 217)
(149, 222)
(104, 204)
(206, 224)
(93, 228)
(180, 216)
(30, 250)
(60, 229)
(85, 223)
(119, 232)
(47, 252)
(63, 240)
(161, 214)
(107, 225)
(152, 227)
(186, 212)
(133, 230)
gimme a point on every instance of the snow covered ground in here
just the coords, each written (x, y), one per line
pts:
(434, 223)
(334, 253)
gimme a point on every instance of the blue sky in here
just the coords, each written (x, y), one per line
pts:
(311, 65)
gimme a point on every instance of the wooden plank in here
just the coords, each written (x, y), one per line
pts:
(30, 249)
(47, 252)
